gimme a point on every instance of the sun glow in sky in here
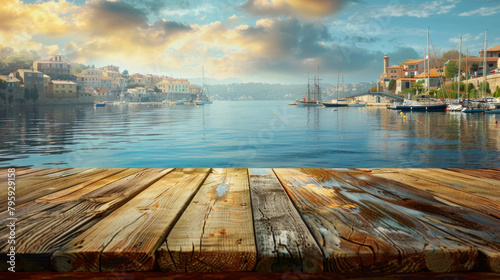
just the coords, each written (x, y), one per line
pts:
(273, 41)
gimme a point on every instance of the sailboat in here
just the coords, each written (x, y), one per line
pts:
(313, 101)
(457, 106)
(423, 106)
(479, 107)
(204, 97)
(338, 102)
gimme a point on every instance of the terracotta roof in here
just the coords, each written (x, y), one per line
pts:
(105, 78)
(394, 66)
(28, 71)
(63, 82)
(102, 90)
(414, 61)
(407, 79)
(494, 49)
(9, 79)
(434, 74)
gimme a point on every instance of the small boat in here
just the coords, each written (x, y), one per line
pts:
(357, 104)
(334, 104)
(309, 104)
(100, 104)
(494, 111)
(455, 107)
(177, 103)
(293, 103)
(417, 106)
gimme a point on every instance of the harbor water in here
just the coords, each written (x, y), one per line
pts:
(244, 134)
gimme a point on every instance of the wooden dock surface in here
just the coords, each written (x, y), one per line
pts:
(263, 220)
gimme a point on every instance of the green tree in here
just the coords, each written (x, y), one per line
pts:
(451, 69)
(77, 68)
(484, 87)
(392, 85)
(27, 94)
(470, 87)
(497, 92)
(34, 94)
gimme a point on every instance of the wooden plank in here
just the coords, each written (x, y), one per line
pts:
(256, 276)
(360, 233)
(62, 216)
(468, 225)
(284, 243)
(215, 232)
(481, 173)
(35, 186)
(486, 187)
(446, 194)
(127, 239)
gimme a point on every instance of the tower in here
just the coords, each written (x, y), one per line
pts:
(386, 63)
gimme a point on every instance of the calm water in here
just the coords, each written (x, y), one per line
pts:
(244, 134)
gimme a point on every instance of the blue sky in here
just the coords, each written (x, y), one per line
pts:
(274, 41)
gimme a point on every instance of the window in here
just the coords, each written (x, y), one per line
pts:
(28, 74)
(63, 85)
(71, 86)
(28, 82)
(57, 86)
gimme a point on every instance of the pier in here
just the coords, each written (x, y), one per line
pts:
(255, 220)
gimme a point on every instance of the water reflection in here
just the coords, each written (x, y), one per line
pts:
(244, 134)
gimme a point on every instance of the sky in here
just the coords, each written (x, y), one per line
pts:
(269, 41)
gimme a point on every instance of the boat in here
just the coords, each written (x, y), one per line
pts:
(457, 106)
(204, 97)
(293, 103)
(357, 104)
(313, 98)
(454, 107)
(493, 111)
(337, 102)
(100, 104)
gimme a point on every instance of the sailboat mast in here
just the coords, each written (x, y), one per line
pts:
(485, 66)
(467, 71)
(308, 90)
(343, 86)
(317, 99)
(338, 81)
(459, 66)
(428, 61)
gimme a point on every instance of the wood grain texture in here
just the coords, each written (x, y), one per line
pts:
(480, 173)
(56, 220)
(446, 194)
(32, 186)
(361, 233)
(284, 243)
(215, 232)
(127, 239)
(465, 224)
(257, 276)
(485, 187)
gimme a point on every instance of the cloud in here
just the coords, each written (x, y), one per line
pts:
(483, 11)
(422, 10)
(306, 9)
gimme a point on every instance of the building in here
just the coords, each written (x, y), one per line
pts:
(394, 72)
(491, 52)
(105, 82)
(53, 66)
(404, 83)
(436, 77)
(136, 79)
(12, 87)
(111, 68)
(413, 67)
(63, 89)
(92, 72)
(31, 79)
(87, 81)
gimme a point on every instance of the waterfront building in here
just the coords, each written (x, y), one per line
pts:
(413, 67)
(404, 83)
(136, 79)
(87, 81)
(105, 82)
(53, 66)
(92, 72)
(436, 77)
(31, 79)
(394, 72)
(491, 52)
(12, 87)
(58, 88)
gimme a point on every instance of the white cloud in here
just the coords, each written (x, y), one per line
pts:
(484, 11)
(422, 10)
(202, 10)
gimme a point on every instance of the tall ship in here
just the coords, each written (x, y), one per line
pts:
(313, 98)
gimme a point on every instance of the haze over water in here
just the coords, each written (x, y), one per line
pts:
(244, 134)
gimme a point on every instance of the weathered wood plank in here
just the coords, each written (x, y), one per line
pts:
(447, 194)
(480, 173)
(486, 187)
(468, 225)
(361, 233)
(284, 243)
(37, 185)
(258, 276)
(61, 218)
(127, 239)
(215, 232)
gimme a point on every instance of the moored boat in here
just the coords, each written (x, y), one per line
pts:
(100, 104)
